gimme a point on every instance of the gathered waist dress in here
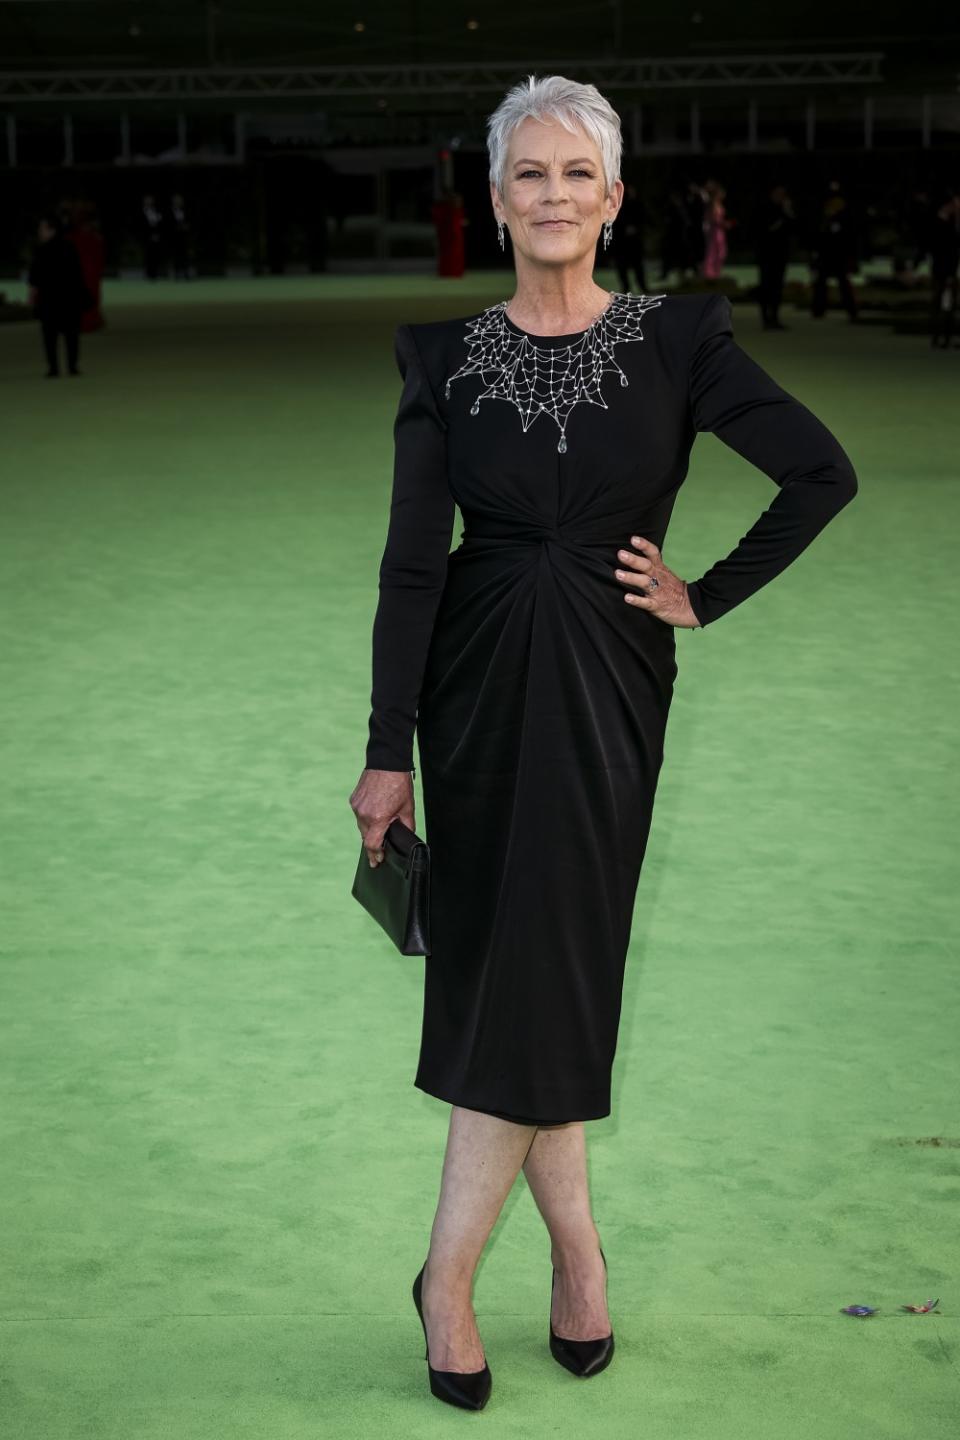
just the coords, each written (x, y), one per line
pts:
(539, 697)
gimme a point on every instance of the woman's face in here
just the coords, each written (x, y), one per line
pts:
(553, 201)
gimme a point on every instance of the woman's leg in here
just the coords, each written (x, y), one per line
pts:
(556, 1171)
(483, 1158)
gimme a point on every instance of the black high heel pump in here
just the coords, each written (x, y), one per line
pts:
(469, 1389)
(581, 1357)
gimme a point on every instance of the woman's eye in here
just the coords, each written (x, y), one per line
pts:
(578, 171)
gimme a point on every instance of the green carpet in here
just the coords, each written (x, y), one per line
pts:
(218, 1178)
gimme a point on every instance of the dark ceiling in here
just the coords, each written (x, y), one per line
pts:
(89, 34)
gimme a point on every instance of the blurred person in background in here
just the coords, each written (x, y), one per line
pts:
(449, 218)
(681, 245)
(916, 224)
(696, 201)
(833, 252)
(58, 293)
(84, 234)
(179, 227)
(715, 227)
(774, 225)
(673, 246)
(628, 240)
(152, 238)
(944, 250)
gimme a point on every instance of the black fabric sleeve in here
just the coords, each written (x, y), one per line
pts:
(734, 398)
(414, 564)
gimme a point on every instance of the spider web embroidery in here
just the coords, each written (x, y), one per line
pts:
(548, 380)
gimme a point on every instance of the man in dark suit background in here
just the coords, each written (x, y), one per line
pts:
(943, 243)
(773, 227)
(153, 238)
(833, 253)
(58, 293)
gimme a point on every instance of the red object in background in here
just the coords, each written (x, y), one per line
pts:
(448, 221)
(88, 243)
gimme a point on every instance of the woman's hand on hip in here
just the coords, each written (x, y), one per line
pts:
(379, 797)
(668, 599)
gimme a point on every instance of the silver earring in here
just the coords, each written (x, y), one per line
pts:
(500, 233)
(607, 232)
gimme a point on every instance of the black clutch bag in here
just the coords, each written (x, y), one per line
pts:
(397, 891)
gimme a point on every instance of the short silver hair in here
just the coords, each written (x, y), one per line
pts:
(554, 97)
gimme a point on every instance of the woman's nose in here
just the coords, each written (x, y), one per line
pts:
(555, 183)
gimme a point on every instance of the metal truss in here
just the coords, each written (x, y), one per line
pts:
(422, 82)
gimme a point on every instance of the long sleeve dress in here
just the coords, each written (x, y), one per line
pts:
(539, 697)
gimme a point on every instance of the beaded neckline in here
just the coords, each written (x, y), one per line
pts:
(549, 379)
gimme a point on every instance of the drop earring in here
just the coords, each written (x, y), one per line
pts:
(500, 233)
(607, 232)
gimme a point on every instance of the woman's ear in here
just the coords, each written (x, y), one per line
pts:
(616, 196)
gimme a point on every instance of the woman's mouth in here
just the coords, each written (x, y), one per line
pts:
(553, 224)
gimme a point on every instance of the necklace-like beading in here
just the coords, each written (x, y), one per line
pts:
(550, 379)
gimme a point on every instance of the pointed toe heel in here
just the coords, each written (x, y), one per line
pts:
(470, 1389)
(582, 1358)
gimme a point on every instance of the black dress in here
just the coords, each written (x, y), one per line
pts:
(539, 696)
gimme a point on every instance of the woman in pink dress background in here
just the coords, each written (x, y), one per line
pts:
(716, 225)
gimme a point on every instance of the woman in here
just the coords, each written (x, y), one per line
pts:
(449, 219)
(715, 227)
(537, 664)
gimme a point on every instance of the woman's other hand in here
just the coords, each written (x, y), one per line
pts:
(380, 796)
(668, 601)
